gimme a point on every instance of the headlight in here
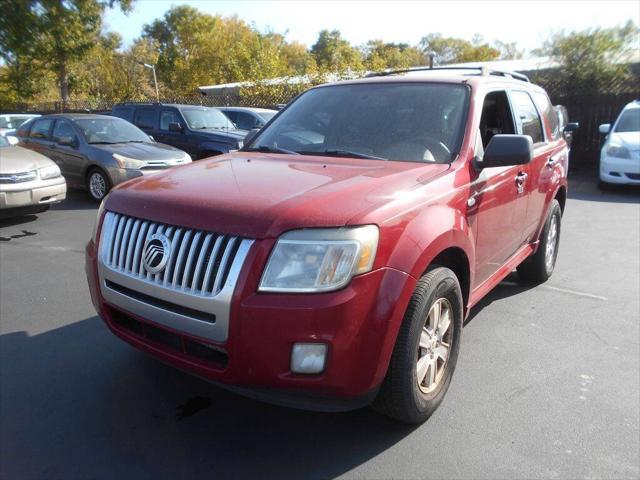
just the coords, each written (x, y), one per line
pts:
(126, 162)
(319, 260)
(186, 158)
(51, 171)
(618, 151)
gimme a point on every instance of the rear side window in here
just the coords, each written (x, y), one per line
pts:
(550, 115)
(528, 115)
(23, 131)
(233, 116)
(246, 121)
(41, 128)
(167, 117)
(123, 112)
(145, 118)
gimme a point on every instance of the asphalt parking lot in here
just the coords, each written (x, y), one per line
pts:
(547, 384)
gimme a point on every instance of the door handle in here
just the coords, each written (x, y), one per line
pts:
(553, 159)
(521, 177)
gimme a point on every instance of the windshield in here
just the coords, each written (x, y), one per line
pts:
(629, 121)
(4, 142)
(110, 130)
(206, 117)
(266, 116)
(415, 122)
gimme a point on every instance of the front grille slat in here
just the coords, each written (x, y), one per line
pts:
(198, 263)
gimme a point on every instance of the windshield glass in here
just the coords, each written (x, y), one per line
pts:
(266, 116)
(629, 121)
(206, 117)
(4, 142)
(110, 130)
(414, 122)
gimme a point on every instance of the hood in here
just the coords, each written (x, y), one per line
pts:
(631, 140)
(231, 134)
(142, 151)
(262, 195)
(18, 160)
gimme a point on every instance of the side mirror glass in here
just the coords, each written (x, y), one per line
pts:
(571, 127)
(67, 141)
(605, 128)
(507, 150)
(250, 136)
(175, 127)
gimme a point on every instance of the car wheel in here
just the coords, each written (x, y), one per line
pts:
(539, 267)
(426, 350)
(98, 184)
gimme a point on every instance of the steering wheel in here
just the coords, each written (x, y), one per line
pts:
(433, 148)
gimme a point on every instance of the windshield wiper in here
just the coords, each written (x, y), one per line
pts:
(335, 152)
(267, 149)
(103, 143)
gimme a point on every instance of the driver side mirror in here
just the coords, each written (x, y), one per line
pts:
(604, 128)
(250, 136)
(175, 127)
(12, 140)
(506, 150)
(67, 142)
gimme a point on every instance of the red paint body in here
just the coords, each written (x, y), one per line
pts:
(422, 210)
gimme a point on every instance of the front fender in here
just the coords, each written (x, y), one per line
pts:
(211, 146)
(435, 229)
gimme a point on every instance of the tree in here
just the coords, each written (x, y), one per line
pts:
(379, 55)
(334, 53)
(595, 59)
(457, 50)
(52, 33)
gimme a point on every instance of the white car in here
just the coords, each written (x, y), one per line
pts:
(620, 156)
(9, 122)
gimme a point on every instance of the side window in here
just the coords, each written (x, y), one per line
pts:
(167, 117)
(550, 115)
(23, 131)
(41, 128)
(233, 116)
(528, 115)
(125, 113)
(145, 118)
(246, 121)
(63, 129)
(496, 117)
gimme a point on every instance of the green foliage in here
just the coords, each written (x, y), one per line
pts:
(335, 54)
(457, 50)
(379, 55)
(593, 60)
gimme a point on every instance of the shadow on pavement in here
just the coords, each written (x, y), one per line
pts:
(17, 220)
(76, 200)
(584, 186)
(76, 402)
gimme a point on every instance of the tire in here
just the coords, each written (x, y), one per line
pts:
(95, 192)
(540, 266)
(401, 397)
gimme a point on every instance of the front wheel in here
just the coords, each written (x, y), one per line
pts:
(426, 349)
(540, 266)
(98, 184)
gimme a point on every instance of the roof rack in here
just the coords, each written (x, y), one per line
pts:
(485, 71)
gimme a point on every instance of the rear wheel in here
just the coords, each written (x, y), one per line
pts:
(98, 184)
(540, 266)
(426, 350)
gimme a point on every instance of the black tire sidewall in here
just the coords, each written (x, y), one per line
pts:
(443, 284)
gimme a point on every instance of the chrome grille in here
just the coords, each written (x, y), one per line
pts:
(18, 177)
(199, 262)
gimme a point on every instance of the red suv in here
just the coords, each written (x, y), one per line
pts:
(331, 262)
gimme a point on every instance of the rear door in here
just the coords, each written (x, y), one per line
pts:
(40, 136)
(145, 118)
(176, 139)
(68, 157)
(549, 152)
(499, 196)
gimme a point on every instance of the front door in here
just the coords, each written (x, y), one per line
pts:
(499, 195)
(68, 157)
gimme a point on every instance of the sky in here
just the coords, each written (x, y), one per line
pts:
(526, 22)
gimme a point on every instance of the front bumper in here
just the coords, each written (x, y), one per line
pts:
(620, 170)
(118, 175)
(38, 192)
(359, 324)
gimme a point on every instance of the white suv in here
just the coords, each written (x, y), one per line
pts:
(620, 156)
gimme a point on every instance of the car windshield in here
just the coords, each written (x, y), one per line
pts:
(266, 116)
(4, 142)
(110, 130)
(415, 122)
(200, 118)
(629, 121)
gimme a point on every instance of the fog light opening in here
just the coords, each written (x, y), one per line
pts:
(308, 358)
